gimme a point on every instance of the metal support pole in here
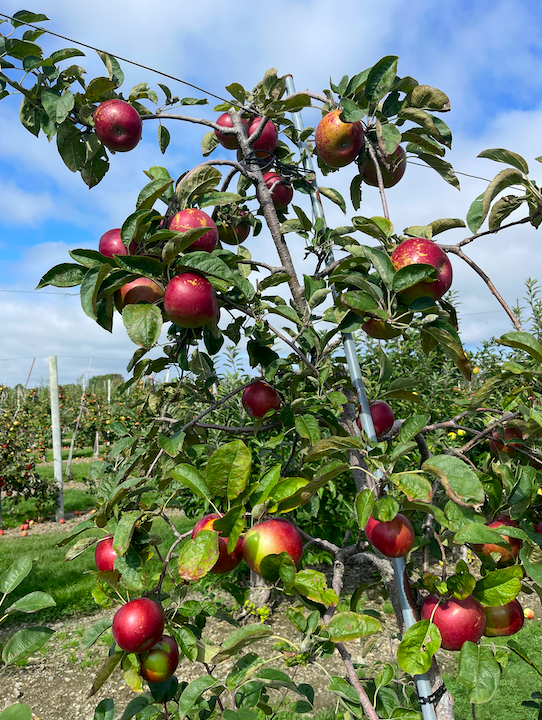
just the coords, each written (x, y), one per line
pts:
(422, 682)
(57, 437)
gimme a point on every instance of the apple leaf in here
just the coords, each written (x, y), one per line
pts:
(499, 587)
(151, 192)
(143, 324)
(307, 428)
(365, 502)
(380, 79)
(94, 632)
(104, 671)
(500, 182)
(506, 156)
(131, 570)
(444, 168)
(105, 710)
(411, 275)
(125, 530)
(504, 207)
(32, 602)
(217, 199)
(412, 426)
(523, 341)
(25, 643)
(209, 142)
(16, 711)
(389, 137)
(228, 469)
(85, 525)
(207, 264)
(475, 216)
(71, 146)
(195, 183)
(460, 482)
(198, 555)
(242, 638)
(414, 486)
(429, 98)
(304, 494)
(90, 287)
(443, 224)
(524, 655)
(359, 302)
(479, 672)
(275, 566)
(15, 574)
(420, 642)
(187, 641)
(313, 585)
(346, 626)
(333, 195)
(381, 262)
(171, 444)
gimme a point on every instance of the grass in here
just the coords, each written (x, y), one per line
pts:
(518, 681)
(77, 453)
(16, 514)
(69, 583)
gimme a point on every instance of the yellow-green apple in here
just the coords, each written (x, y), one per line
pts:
(259, 398)
(421, 251)
(393, 538)
(195, 218)
(160, 662)
(104, 555)
(457, 620)
(226, 561)
(190, 300)
(504, 619)
(138, 625)
(271, 537)
(118, 125)
(111, 244)
(507, 554)
(281, 190)
(397, 162)
(267, 142)
(338, 143)
(139, 290)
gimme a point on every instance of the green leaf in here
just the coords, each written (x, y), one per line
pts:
(25, 16)
(57, 106)
(151, 192)
(171, 444)
(113, 68)
(346, 626)
(15, 574)
(381, 78)
(228, 469)
(307, 427)
(333, 195)
(231, 525)
(201, 180)
(443, 224)
(411, 275)
(313, 585)
(198, 555)
(332, 444)
(506, 156)
(32, 602)
(429, 98)
(29, 115)
(94, 632)
(191, 477)
(218, 199)
(305, 493)
(365, 502)
(163, 138)
(459, 481)
(389, 137)
(412, 426)
(187, 642)
(143, 323)
(523, 654)
(241, 638)
(207, 264)
(134, 707)
(500, 182)
(504, 207)
(479, 672)
(71, 146)
(192, 692)
(16, 711)
(105, 670)
(523, 341)
(381, 262)
(125, 530)
(105, 710)
(90, 287)
(499, 587)
(414, 486)
(475, 215)
(209, 142)
(351, 112)
(420, 642)
(24, 643)
(444, 168)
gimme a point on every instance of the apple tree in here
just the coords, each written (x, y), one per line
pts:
(183, 275)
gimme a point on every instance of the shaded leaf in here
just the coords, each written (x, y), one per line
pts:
(479, 672)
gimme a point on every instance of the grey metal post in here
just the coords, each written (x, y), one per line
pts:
(422, 682)
(57, 437)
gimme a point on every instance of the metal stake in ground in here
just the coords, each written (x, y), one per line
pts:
(57, 437)
(423, 685)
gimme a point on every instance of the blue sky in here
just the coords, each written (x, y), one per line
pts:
(486, 56)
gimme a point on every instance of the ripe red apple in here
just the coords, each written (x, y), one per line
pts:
(420, 250)
(139, 290)
(538, 528)
(258, 398)
(457, 620)
(118, 125)
(160, 662)
(380, 329)
(383, 417)
(190, 300)
(271, 537)
(268, 140)
(338, 143)
(393, 538)
(282, 192)
(226, 561)
(104, 555)
(138, 625)
(228, 141)
(195, 218)
(111, 244)
(397, 162)
(506, 554)
(496, 445)
(2, 531)
(504, 619)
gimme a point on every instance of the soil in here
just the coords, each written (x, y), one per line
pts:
(55, 682)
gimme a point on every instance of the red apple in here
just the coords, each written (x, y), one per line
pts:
(190, 300)
(538, 528)
(393, 538)
(496, 445)
(258, 398)
(118, 125)
(338, 143)
(507, 555)
(267, 142)
(138, 625)
(195, 218)
(235, 233)
(504, 619)
(420, 250)
(111, 244)
(282, 192)
(160, 662)
(228, 141)
(139, 290)
(271, 537)
(397, 162)
(380, 329)
(383, 417)
(226, 561)
(104, 555)
(2, 531)
(457, 620)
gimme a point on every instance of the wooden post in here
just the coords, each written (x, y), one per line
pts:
(57, 437)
